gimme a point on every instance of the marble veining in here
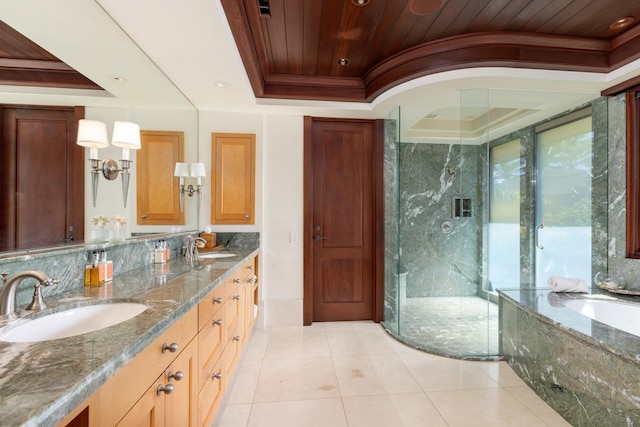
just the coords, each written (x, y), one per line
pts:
(42, 382)
(585, 369)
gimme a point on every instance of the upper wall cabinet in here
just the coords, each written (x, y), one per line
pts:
(233, 178)
(158, 198)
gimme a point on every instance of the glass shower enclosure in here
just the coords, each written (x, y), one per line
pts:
(457, 205)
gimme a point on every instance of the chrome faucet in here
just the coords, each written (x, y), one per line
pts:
(192, 249)
(10, 286)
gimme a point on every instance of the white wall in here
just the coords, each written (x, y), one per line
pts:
(278, 205)
(282, 264)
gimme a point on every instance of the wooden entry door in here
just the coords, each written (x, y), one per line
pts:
(343, 218)
(42, 177)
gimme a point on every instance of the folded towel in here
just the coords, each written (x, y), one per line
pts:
(567, 284)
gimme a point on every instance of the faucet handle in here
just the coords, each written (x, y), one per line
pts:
(37, 303)
(52, 281)
(4, 274)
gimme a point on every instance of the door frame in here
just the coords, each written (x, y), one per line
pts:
(378, 216)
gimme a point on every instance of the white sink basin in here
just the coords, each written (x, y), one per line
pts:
(216, 255)
(71, 322)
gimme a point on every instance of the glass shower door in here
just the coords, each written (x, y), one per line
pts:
(563, 203)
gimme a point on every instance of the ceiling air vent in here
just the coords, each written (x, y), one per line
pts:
(263, 5)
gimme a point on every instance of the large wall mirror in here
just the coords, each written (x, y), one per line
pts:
(82, 35)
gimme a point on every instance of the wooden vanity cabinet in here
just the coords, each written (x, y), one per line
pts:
(171, 400)
(220, 351)
(201, 351)
(133, 383)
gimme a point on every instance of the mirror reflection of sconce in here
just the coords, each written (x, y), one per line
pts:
(93, 135)
(193, 170)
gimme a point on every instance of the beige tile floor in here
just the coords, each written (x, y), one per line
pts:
(354, 374)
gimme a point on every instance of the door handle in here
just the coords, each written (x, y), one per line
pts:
(317, 238)
(538, 228)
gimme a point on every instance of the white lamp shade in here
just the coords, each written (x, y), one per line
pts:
(126, 135)
(197, 170)
(92, 134)
(182, 169)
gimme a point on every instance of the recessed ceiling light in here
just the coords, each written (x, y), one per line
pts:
(361, 2)
(623, 22)
(222, 83)
(117, 78)
(342, 61)
(425, 7)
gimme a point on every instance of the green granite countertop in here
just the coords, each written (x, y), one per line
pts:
(41, 382)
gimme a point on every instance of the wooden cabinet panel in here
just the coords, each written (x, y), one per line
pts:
(181, 405)
(157, 193)
(211, 394)
(148, 411)
(233, 178)
(211, 304)
(211, 341)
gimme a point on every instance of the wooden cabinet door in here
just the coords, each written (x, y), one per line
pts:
(148, 411)
(233, 178)
(181, 405)
(211, 394)
(158, 195)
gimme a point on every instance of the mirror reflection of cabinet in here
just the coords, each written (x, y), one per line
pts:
(42, 197)
(233, 178)
(157, 195)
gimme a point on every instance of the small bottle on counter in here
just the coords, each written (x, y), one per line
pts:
(107, 265)
(167, 251)
(160, 256)
(94, 273)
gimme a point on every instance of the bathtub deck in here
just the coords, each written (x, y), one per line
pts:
(586, 370)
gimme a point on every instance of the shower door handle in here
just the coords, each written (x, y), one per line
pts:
(538, 228)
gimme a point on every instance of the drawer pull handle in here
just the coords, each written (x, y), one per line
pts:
(166, 389)
(216, 376)
(218, 300)
(236, 280)
(250, 267)
(217, 322)
(177, 376)
(171, 348)
(236, 338)
(236, 297)
(252, 279)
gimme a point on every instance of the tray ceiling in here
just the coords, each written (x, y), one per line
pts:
(337, 50)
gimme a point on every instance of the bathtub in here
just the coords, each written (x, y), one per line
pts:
(579, 352)
(615, 313)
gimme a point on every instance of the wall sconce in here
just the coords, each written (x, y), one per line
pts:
(93, 134)
(194, 170)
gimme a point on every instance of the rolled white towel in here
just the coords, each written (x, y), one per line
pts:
(567, 284)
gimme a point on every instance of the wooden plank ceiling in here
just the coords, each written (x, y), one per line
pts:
(292, 48)
(24, 63)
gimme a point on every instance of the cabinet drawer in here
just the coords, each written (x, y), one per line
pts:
(211, 341)
(211, 304)
(120, 391)
(211, 394)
